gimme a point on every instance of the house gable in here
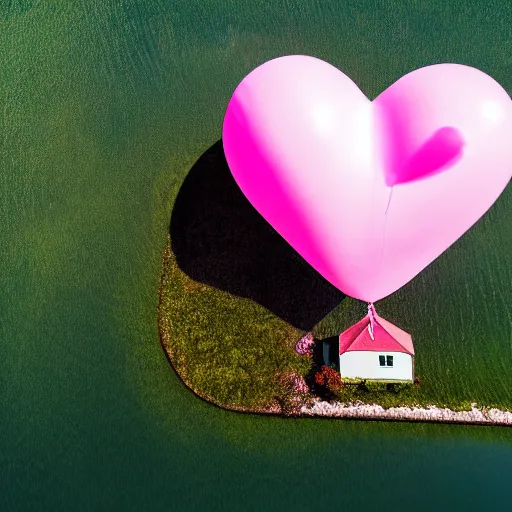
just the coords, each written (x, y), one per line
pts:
(386, 337)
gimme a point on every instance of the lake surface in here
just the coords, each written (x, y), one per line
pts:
(104, 108)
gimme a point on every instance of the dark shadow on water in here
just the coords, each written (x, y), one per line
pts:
(219, 239)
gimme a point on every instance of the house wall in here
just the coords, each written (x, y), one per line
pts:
(365, 365)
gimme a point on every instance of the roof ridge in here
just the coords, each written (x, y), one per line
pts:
(357, 335)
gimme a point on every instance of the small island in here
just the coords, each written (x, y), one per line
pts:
(239, 356)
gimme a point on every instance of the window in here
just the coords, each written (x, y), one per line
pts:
(386, 361)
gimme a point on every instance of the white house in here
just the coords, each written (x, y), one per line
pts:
(375, 349)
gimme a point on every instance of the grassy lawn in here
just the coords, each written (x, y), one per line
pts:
(235, 299)
(227, 349)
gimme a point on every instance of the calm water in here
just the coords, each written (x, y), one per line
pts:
(104, 107)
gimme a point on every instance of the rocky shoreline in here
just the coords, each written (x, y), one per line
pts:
(482, 416)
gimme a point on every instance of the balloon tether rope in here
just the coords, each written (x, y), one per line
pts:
(371, 314)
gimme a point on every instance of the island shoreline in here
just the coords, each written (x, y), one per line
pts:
(360, 411)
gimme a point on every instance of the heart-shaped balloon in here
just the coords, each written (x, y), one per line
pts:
(369, 193)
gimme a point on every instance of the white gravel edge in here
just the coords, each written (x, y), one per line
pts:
(477, 415)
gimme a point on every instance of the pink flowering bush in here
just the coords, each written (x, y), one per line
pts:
(299, 385)
(294, 394)
(305, 344)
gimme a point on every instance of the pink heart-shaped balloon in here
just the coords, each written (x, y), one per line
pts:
(369, 193)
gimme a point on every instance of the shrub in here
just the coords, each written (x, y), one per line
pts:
(299, 385)
(305, 344)
(374, 385)
(329, 378)
(396, 387)
(353, 381)
(293, 393)
(320, 378)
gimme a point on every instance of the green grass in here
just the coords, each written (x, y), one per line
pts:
(227, 349)
(231, 350)
(410, 396)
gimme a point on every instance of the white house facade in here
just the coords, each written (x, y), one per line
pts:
(366, 364)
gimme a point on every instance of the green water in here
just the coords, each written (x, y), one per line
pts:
(104, 107)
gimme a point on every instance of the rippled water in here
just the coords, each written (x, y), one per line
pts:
(104, 107)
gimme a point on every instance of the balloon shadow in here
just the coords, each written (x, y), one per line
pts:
(219, 239)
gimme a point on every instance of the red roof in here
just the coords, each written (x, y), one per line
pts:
(387, 337)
